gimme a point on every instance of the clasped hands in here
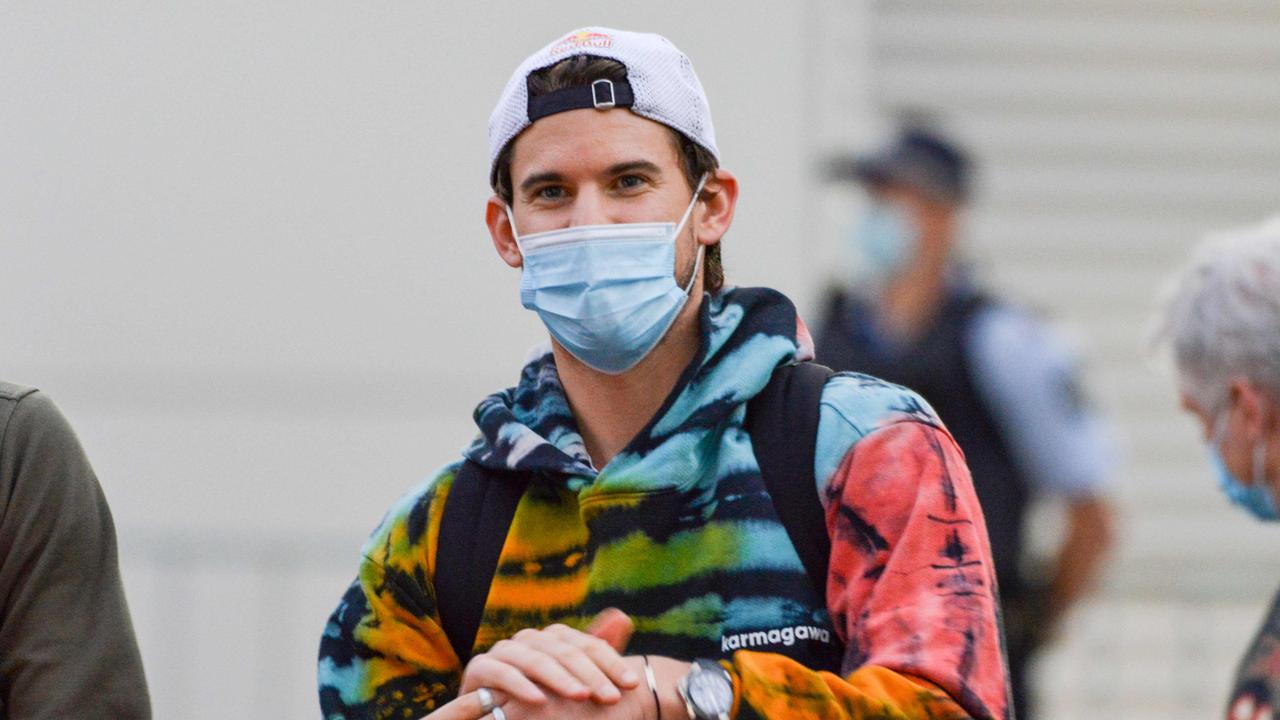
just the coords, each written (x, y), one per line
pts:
(560, 672)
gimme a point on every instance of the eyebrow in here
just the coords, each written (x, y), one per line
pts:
(632, 166)
(539, 178)
(615, 169)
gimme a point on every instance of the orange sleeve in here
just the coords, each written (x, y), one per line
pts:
(911, 591)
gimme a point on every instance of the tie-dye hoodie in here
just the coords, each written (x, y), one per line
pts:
(679, 532)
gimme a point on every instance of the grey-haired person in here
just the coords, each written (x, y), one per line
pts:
(1221, 319)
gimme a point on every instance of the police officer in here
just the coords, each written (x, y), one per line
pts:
(1003, 383)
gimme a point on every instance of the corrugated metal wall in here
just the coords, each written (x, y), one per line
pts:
(1111, 136)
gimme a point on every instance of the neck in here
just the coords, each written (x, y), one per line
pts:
(612, 409)
(908, 303)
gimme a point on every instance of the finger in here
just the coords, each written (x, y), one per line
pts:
(497, 675)
(587, 658)
(614, 627)
(466, 707)
(541, 666)
(600, 653)
(497, 696)
(612, 664)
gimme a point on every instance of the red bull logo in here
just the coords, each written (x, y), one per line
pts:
(582, 39)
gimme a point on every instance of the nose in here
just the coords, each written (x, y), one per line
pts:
(589, 207)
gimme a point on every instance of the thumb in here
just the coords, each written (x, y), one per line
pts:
(614, 627)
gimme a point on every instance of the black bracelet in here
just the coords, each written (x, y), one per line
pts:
(653, 685)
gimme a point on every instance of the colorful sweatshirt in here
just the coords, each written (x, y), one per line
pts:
(679, 532)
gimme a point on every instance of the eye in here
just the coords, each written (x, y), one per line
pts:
(549, 193)
(632, 182)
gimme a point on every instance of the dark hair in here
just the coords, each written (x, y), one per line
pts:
(582, 70)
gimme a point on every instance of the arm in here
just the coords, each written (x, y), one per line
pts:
(69, 648)
(1088, 539)
(910, 590)
(383, 648)
(1030, 379)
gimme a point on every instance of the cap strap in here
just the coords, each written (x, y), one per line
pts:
(602, 94)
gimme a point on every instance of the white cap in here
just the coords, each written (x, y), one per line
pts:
(660, 85)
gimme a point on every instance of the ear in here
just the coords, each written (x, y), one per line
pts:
(504, 241)
(719, 201)
(1252, 405)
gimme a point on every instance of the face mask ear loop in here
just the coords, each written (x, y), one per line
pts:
(697, 267)
(514, 235)
(1260, 464)
(689, 210)
(697, 263)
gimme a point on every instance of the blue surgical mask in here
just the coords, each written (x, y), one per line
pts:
(886, 240)
(607, 293)
(1255, 498)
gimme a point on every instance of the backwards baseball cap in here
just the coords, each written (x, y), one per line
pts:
(919, 158)
(660, 85)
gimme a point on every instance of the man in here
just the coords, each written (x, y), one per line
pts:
(1001, 382)
(1222, 320)
(66, 643)
(629, 445)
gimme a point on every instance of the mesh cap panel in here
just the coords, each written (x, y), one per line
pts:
(662, 79)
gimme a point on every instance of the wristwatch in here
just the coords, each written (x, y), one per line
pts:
(707, 691)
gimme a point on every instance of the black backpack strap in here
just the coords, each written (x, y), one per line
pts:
(783, 423)
(477, 516)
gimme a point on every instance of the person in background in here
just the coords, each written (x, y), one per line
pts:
(1221, 318)
(1001, 381)
(67, 648)
(628, 463)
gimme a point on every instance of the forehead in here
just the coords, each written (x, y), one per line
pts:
(589, 140)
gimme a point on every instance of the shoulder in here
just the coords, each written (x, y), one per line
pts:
(24, 409)
(1018, 359)
(34, 434)
(853, 406)
(12, 393)
(408, 530)
(1029, 370)
(999, 332)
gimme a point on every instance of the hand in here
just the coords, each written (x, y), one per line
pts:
(636, 703)
(467, 706)
(572, 664)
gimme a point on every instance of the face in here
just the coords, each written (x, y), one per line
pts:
(932, 219)
(1238, 423)
(592, 167)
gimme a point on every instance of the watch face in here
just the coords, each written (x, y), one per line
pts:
(711, 692)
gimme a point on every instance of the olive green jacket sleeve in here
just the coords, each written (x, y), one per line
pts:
(67, 648)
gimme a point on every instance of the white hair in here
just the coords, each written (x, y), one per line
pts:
(1221, 315)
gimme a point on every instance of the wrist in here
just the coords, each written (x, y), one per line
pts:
(668, 672)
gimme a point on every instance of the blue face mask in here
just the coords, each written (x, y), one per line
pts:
(1255, 498)
(607, 293)
(886, 240)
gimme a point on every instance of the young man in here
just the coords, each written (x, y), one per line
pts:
(1222, 322)
(629, 446)
(994, 373)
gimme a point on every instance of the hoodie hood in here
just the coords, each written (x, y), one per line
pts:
(745, 334)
